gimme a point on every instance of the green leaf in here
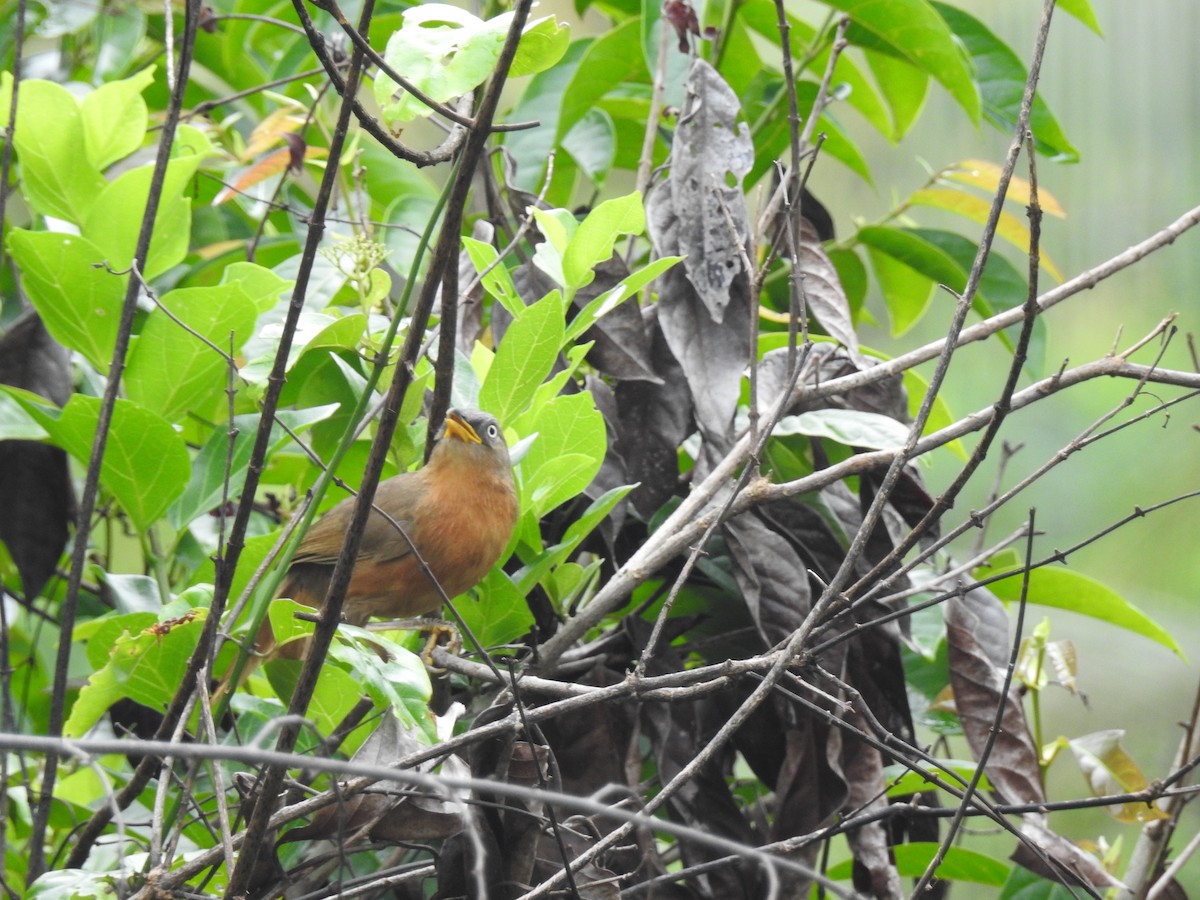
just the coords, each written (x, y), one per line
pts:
(907, 247)
(116, 219)
(79, 303)
(543, 43)
(1001, 77)
(264, 288)
(553, 385)
(853, 276)
(115, 118)
(557, 226)
(498, 280)
(761, 16)
(1081, 10)
(915, 29)
(851, 427)
(903, 86)
(1025, 885)
(537, 569)
(596, 236)
(593, 145)
(336, 692)
(446, 52)
(116, 42)
(16, 424)
(524, 358)
(133, 593)
(57, 178)
(500, 614)
(741, 62)
(252, 556)
(544, 490)
(101, 634)
(772, 133)
(341, 333)
(313, 331)
(145, 462)
(1065, 589)
(146, 666)
(171, 368)
(958, 865)
(624, 289)
(614, 58)
(542, 101)
(570, 446)
(442, 50)
(907, 267)
(903, 781)
(397, 679)
(906, 292)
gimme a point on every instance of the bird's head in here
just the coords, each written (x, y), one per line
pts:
(472, 437)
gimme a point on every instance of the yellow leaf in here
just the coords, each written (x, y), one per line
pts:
(269, 165)
(1110, 770)
(976, 209)
(267, 132)
(982, 174)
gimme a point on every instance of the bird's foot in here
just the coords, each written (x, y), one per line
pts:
(439, 631)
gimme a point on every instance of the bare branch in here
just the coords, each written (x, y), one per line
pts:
(87, 503)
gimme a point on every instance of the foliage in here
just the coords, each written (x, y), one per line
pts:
(642, 286)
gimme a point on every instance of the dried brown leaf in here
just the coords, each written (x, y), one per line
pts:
(823, 289)
(699, 212)
(35, 481)
(1070, 863)
(863, 767)
(978, 643)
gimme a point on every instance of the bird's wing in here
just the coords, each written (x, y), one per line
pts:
(380, 539)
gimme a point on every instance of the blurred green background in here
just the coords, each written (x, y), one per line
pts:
(1130, 102)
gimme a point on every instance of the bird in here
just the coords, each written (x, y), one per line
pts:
(458, 511)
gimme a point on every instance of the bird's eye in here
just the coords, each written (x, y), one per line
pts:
(493, 432)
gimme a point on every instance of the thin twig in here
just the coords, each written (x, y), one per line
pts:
(682, 529)
(997, 721)
(165, 782)
(6, 700)
(375, 773)
(91, 485)
(1057, 557)
(1088, 436)
(442, 153)
(10, 127)
(256, 829)
(800, 146)
(1001, 407)
(359, 41)
(1153, 843)
(445, 253)
(207, 105)
(218, 776)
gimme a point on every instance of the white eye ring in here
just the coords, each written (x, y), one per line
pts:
(493, 432)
